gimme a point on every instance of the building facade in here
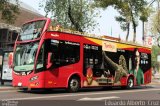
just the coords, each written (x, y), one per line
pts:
(9, 33)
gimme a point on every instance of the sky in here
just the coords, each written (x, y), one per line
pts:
(107, 24)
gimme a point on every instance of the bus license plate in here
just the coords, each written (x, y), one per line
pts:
(19, 84)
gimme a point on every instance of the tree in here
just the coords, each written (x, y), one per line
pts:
(124, 24)
(156, 23)
(134, 10)
(122, 7)
(144, 14)
(129, 12)
(8, 11)
(73, 14)
(124, 19)
(155, 53)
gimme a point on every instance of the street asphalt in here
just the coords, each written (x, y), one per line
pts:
(8, 85)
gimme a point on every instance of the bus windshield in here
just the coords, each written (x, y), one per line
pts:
(31, 30)
(24, 57)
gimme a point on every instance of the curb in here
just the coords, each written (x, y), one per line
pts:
(155, 83)
(7, 88)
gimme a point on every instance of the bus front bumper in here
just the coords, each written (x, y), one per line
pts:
(34, 84)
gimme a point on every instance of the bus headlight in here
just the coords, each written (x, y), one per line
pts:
(34, 78)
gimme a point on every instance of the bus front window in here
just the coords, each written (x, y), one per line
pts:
(31, 30)
(24, 57)
(40, 60)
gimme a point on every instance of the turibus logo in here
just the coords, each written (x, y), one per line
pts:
(109, 46)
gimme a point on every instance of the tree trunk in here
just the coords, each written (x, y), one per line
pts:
(128, 27)
(134, 24)
(134, 31)
(143, 38)
(134, 27)
(74, 23)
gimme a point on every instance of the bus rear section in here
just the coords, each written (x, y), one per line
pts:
(109, 63)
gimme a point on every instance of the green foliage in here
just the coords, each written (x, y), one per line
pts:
(145, 13)
(105, 3)
(123, 22)
(73, 14)
(156, 24)
(8, 11)
(155, 53)
(125, 17)
(132, 10)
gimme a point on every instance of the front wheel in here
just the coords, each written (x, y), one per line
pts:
(74, 84)
(130, 83)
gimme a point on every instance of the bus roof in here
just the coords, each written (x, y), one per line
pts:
(104, 37)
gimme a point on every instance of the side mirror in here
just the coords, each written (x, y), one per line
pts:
(49, 63)
(11, 66)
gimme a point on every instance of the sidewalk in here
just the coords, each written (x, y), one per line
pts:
(6, 86)
(155, 82)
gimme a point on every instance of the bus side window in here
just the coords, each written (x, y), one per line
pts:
(92, 58)
(64, 52)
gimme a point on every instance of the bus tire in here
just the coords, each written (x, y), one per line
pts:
(130, 83)
(73, 84)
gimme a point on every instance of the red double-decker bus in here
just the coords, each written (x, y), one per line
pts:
(48, 57)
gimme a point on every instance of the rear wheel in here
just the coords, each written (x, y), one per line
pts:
(74, 84)
(130, 83)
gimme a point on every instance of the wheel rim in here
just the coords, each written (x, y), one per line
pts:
(74, 84)
(130, 83)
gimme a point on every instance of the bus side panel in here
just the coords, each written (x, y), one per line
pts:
(147, 76)
(111, 67)
(56, 78)
(59, 77)
(114, 56)
(145, 64)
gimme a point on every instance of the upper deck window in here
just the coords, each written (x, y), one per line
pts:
(31, 30)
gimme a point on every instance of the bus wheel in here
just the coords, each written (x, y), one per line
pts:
(130, 83)
(74, 84)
